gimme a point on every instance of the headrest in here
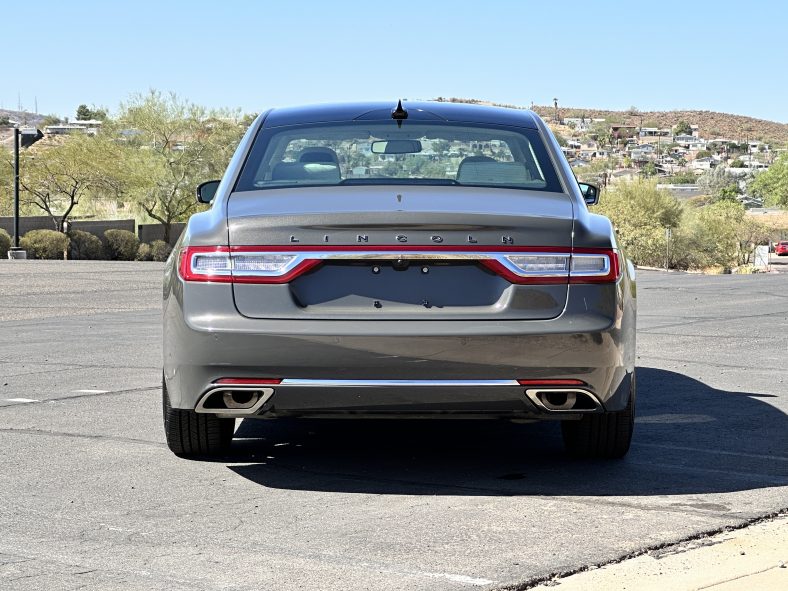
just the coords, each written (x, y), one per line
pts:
(319, 154)
(494, 173)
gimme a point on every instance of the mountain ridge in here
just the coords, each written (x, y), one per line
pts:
(711, 124)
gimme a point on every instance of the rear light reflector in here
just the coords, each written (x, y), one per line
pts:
(551, 382)
(248, 381)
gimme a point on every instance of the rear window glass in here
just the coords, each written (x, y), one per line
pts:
(369, 152)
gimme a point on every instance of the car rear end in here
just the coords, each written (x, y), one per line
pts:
(301, 294)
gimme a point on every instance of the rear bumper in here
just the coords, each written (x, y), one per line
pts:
(205, 342)
(413, 398)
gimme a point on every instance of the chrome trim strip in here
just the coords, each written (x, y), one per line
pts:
(301, 256)
(532, 396)
(234, 412)
(394, 383)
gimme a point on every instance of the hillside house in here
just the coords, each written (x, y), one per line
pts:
(654, 132)
(690, 142)
(642, 152)
(702, 164)
(89, 127)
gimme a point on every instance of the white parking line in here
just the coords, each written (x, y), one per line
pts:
(20, 400)
(89, 391)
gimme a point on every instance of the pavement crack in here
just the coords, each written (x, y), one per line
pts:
(81, 436)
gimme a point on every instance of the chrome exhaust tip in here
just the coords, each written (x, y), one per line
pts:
(240, 398)
(564, 400)
(237, 401)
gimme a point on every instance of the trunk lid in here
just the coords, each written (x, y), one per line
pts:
(404, 252)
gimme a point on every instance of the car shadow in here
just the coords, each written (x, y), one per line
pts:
(689, 439)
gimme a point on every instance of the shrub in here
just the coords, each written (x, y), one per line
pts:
(5, 243)
(160, 250)
(144, 253)
(45, 244)
(641, 212)
(85, 246)
(122, 245)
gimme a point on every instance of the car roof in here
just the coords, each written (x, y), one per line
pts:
(417, 110)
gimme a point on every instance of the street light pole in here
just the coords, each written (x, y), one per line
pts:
(16, 252)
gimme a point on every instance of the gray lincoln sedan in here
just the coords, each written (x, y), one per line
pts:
(418, 260)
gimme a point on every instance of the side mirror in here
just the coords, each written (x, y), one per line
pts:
(206, 191)
(590, 193)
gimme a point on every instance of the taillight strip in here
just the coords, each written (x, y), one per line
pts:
(497, 259)
(551, 382)
(248, 381)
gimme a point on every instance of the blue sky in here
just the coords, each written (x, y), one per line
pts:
(659, 54)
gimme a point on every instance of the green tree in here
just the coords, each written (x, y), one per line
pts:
(649, 169)
(178, 145)
(84, 113)
(682, 128)
(57, 179)
(640, 213)
(719, 183)
(772, 184)
(6, 183)
(51, 120)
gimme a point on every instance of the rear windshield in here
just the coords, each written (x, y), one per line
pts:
(382, 152)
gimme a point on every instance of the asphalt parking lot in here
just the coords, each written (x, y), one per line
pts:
(92, 499)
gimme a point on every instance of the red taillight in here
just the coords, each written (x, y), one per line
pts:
(220, 274)
(581, 265)
(248, 381)
(585, 269)
(220, 264)
(551, 382)
(282, 264)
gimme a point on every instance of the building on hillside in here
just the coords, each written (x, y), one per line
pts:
(654, 132)
(751, 162)
(690, 142)
(619, 130)
(89, 127)
(702, 164)
(581, 123)
(642, 152)
(757, 146)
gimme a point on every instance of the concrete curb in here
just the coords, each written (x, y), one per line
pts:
(754, 557)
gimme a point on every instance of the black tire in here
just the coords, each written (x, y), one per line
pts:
(190, 434)
(605, 435)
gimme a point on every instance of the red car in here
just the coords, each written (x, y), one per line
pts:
(781, 248)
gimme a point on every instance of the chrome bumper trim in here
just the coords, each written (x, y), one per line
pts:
(395, 383)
